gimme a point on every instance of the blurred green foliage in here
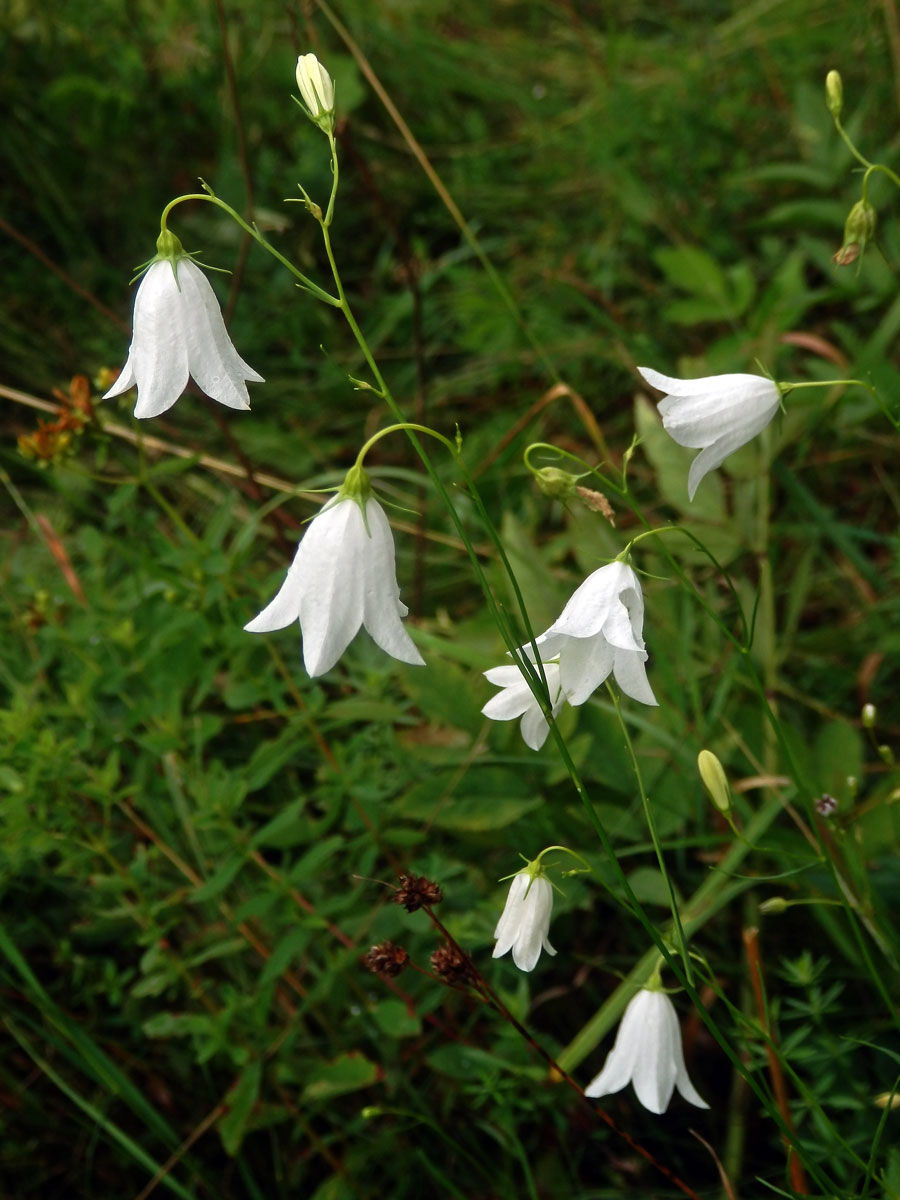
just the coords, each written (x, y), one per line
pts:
(193, 833)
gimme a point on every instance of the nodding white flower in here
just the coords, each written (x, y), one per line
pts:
(316, 91)
(598, 633)
(517, 700)
(178, 331)
(647, 1053)
(525, 921)
(343, 576)
(719, 413)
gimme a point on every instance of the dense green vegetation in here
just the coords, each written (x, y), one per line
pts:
(199, 844)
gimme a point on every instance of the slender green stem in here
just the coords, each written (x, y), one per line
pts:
(376, 437)
(848, 142)
(654, 834)
(335, 177)
(254, 232)
(787, 387)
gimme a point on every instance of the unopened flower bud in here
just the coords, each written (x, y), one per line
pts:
(859, 229)
(888, 1100)
(834, 93)
(777, 904)
(886, 754)
(557, 484)
(868, 716)
(316, 91)
(714, 780)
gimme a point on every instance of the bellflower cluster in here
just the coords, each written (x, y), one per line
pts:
(178, 332)
(647, 1052)
(719, 413)
(343, 577)
(599, 633)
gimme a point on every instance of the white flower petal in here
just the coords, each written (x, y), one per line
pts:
(695, 387)
(618, 628)
(654, 1069)
(331, 607)
(517, 699)
(620, 1061)
(534, 727)
(713, 456)
(510, 703)
(158, 354)
(124, 382)
(589, 605)
(382, 609)
(214, 363)
(584, 664)
(285, 608)
(631, 676)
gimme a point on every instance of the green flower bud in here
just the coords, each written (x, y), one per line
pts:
(557, 484)
(714, 780)
(868, 716)
(834, 93)
(777, 904)
(859, 229)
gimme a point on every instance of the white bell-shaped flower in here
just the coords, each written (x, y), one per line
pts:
(598, 633)
(178, 332)
(719, 413)
(517, 700)
(525, 921)
(647, 1053)
(343, 576)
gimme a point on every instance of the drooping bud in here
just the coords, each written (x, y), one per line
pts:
(557, 484)
(834, 93)
(859, 229)
(714, 780)
(776, 904)
(316, 91)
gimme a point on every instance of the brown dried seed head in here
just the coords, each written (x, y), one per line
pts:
(415, 892)
(451, 965)
(386, 959)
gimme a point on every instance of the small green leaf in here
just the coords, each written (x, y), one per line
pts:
(393, 1018)
(348, 1073)
(240, 1100)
